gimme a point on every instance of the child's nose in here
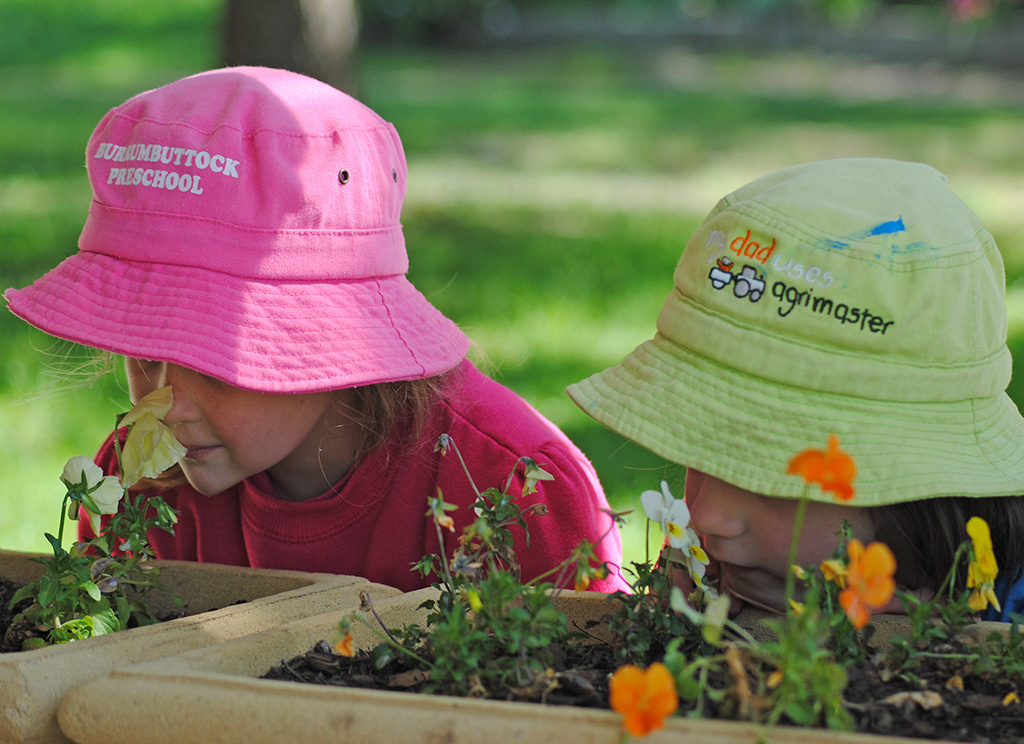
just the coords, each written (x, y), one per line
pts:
(711, 511)
(183, 385)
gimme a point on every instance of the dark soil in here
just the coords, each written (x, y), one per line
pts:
(936, 709)
(10, 638)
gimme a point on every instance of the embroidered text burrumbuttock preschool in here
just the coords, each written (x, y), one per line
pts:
(790, 297)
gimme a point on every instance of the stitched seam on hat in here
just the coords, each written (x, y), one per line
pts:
(247, 135)
(243, 228)
(803, 231)
(384, 304)
(660, 438)
(838, 352)
(985, 450)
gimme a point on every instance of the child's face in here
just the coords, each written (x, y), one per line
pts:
(747, 537)
(231, 434)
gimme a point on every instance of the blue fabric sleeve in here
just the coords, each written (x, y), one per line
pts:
(1011, 597)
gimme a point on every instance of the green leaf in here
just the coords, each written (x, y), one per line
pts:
(715, 615)
(801, 713)
(88, 503)
(688, 687)
(47, 591)
(104, 621)
(382, 655)
(91, 589)
(23, 593)
(55, 544)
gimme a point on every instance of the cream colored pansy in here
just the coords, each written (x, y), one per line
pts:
(674, 517)
(81, 468)
(534, 473)
(105, 491)
(151, 447)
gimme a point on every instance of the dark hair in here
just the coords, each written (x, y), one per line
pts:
(924, 536)
(400, 409)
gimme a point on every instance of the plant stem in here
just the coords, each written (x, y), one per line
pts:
(465, 468)
(794, 546)
(508, 483)
(63, 515)
(443, 558)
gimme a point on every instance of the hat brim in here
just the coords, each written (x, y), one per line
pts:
(745, 430)
(281, 337)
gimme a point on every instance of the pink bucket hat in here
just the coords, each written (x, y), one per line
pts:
(245, 224)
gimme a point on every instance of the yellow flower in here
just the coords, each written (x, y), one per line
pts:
(833, 570)
(643, 698)
(473, 597)
(151, 447)
(982, 570)
(158, 403)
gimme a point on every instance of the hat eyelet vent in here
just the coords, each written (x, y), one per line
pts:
(343, 177)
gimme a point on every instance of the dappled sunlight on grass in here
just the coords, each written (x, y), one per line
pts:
(551, 192)
(24, 196)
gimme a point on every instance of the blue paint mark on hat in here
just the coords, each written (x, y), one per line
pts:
(887, 228)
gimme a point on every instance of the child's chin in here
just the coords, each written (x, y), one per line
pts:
(751, 586)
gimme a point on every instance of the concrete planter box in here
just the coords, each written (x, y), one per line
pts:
(32, 683)
(216, 696)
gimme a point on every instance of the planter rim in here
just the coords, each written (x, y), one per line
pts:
(32, 683)
(220, 693)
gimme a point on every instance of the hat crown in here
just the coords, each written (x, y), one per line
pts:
(252, 171)
(245, 224)
(858, 277)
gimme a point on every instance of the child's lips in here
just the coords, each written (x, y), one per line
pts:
(751, 585)
(198, 452)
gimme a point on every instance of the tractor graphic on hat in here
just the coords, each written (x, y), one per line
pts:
(745, 284)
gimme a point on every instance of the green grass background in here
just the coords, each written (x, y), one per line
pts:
(551, 193)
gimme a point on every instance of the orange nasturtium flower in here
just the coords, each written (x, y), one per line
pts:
(643, 698)
(982, 570)
(346, 646)
(868, 580)
(833, 470)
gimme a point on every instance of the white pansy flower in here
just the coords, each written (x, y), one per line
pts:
(674, 517)
(81, 467)
(105, 491)
(107, 498)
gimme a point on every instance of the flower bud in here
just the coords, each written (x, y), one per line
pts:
(98, 567)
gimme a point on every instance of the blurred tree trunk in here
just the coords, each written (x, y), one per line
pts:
(315, 37)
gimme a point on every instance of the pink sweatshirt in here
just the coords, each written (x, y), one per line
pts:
(374, 522)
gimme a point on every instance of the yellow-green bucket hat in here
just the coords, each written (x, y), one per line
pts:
(855, 296)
